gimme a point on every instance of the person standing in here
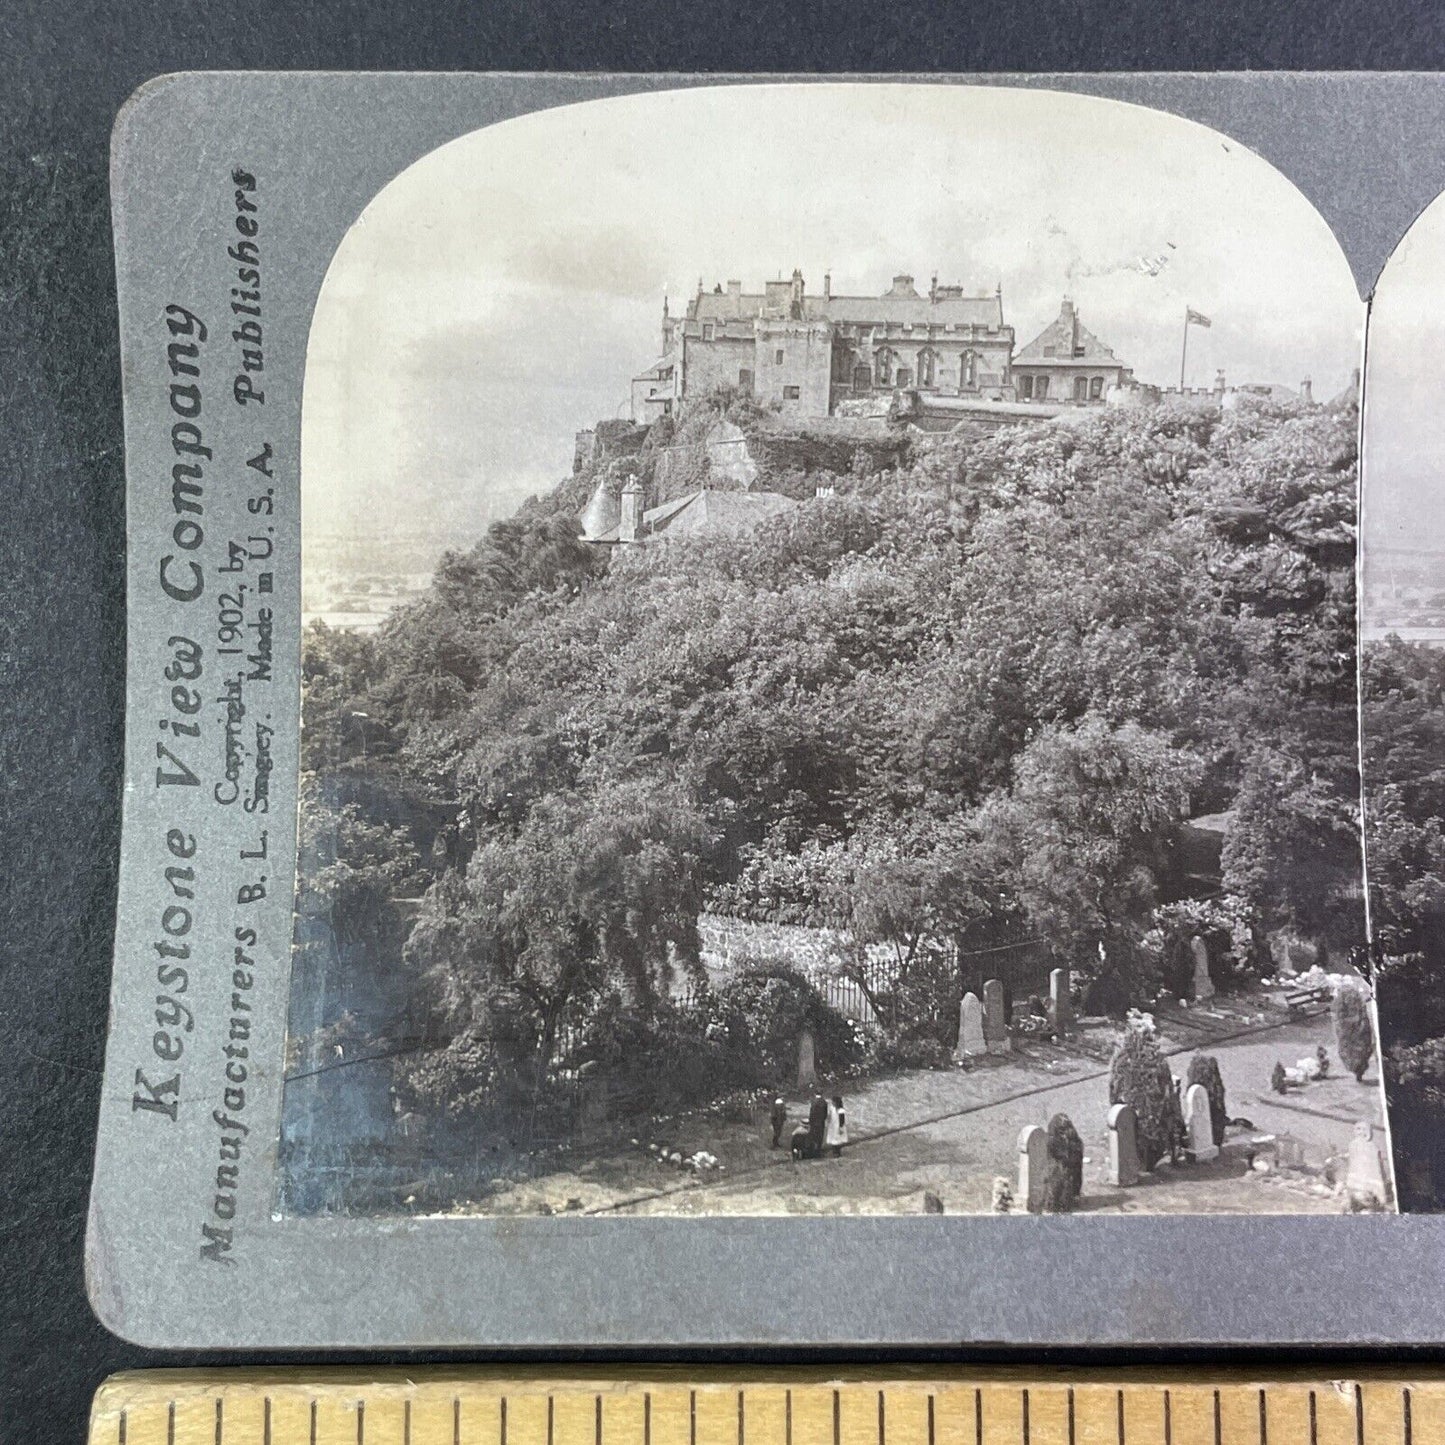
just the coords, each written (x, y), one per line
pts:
(817, 1126)
(836, 1135)
(779, 1120)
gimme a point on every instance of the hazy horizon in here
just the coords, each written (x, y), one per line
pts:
(499, 294)
(1403, 510)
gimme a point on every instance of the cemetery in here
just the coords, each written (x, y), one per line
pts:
(1170, 1112)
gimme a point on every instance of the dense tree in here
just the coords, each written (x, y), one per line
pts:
(1139, 1076)
(1354, 1031)
(1064, 1173)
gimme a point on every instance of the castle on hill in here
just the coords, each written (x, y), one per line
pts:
(823, 355)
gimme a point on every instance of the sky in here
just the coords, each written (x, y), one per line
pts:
(1403, 509)
(497, 296)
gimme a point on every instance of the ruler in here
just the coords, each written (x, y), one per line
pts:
(924, 1406)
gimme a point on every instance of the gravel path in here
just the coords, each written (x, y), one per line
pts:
(951, 1132)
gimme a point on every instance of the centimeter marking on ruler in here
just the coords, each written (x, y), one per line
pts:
(176, 1408)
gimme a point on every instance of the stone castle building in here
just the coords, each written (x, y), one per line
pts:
(1066, 362)
(816, 355)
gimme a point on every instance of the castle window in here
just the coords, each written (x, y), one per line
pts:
(1041, 388)
(968, 370)
(862, 378)
(1096, 388)
(927, 366)
(1081, 388)
(745, 378)
(1026, 388)
(778, 357)
(885, 367)
(791, 393)
(707, 330)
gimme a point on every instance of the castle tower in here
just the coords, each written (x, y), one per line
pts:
(602, 513)
(629, 525)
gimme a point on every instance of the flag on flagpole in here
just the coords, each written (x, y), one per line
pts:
(1196, 318)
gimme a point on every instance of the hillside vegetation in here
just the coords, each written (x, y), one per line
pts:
(981, 686)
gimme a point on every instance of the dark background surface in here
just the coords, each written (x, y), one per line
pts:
(64, 72)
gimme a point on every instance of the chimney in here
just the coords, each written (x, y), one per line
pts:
(795, 301)
(735, 288)
(933, 288)
(630, 523)
(827, 285)
(903, 285)
(1219, 386)
(1306, 392)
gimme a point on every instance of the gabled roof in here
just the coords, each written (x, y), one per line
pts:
(712, 511)
(656, 370)
(705, 511)
(1066, 341)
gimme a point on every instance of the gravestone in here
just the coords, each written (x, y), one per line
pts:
(1199, 1124)
(1033, 1166)
(1123, 1145)
(995, 1019)
(807, 1065)
(1061, 1005)
(1365, 1170)
(1203, 984)
(970, 1028)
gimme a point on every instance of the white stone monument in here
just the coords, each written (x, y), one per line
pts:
(1061, 1003)
(1203, 984)
(807, 1065)
(995, 1019)
(1123, 1145)
(970, 1028)
(1033, 1165)
(1365, 1170)
(1199, 1124)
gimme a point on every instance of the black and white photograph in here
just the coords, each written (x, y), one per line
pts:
(1402, 701)
(829, 676)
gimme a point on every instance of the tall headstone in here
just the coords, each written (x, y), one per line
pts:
(1203, 984)
(807, 1065)
(1033, 1167)
(1199, 1124)
(970, 1028)
(995, 1019)
(1365, 1170)
(1061, 1003)
(1123, 1145)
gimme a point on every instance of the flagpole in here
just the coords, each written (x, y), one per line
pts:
(1184, 349)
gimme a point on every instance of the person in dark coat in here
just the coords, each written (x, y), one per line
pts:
(807, 1139)
(817, 1125)
(780, 1120)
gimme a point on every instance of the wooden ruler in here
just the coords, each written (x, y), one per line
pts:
(804, 1407)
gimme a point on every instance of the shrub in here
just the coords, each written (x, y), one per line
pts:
(1140, 1077)
(1204, 1069)
(1354, 1033)
(911, 1053)
(1064, 1177)
(768, 1005)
